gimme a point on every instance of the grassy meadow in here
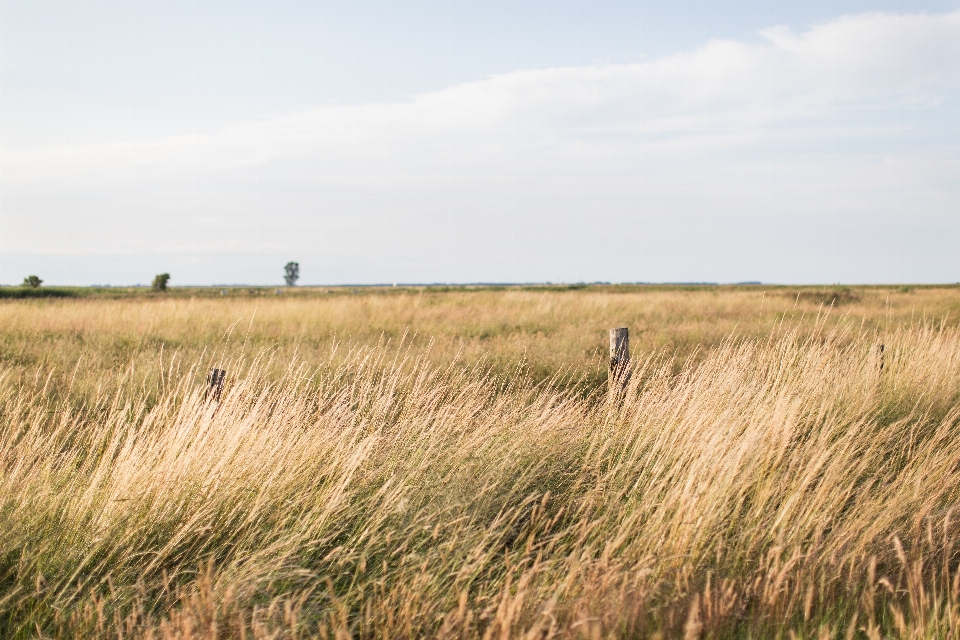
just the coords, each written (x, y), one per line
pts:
(447, 462)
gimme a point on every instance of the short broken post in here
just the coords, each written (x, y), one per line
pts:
(215, 384)
(619, 373)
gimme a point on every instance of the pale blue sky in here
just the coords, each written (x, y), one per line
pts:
(460, 141)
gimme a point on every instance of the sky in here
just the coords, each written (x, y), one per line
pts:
(460, 141)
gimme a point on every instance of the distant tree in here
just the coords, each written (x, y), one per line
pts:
(160, 281)
(291, 273)
(31, 281)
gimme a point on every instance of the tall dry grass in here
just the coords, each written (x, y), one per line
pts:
(775, 486)
(546, 330)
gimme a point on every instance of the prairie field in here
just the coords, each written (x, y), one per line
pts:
(449, 462)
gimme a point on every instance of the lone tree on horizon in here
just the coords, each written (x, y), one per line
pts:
(291, 273)
(160, 281)
(32, 282)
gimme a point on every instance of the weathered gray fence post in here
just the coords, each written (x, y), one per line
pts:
(619, 373)
(215, 384)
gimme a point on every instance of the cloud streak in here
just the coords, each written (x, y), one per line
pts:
(854, 63)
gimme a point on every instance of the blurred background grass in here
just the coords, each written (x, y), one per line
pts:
(118, 333)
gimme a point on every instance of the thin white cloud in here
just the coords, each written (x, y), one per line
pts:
(723, 93)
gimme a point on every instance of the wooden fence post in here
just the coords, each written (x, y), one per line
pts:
(619, 372)
(215, 383)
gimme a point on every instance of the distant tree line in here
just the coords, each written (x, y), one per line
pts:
(291, 273)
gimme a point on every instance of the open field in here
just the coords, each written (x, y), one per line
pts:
(446, 462)
(547, 329)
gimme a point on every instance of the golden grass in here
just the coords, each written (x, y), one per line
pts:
(547, 330)
(778, 484)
